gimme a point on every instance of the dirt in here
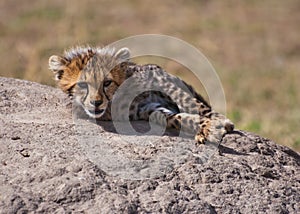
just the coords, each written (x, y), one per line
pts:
(53, 162)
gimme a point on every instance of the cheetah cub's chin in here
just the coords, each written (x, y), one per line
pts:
(92, 76)
(96, 113)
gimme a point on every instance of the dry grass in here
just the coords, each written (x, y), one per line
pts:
(254, 46)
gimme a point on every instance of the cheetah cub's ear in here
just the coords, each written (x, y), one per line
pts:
(123, 54)
(57, 64)
(67, 71)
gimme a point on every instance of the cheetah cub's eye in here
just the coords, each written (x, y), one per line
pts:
(107, 83)
(82, 85)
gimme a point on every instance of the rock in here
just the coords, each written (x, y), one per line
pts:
(51, 162)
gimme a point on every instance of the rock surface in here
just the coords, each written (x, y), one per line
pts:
(51, 162)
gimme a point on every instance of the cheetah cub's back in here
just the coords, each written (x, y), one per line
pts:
(107, 85)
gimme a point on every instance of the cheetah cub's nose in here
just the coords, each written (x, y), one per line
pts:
(229, 126)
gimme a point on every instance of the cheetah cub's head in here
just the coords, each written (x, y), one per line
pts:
(90, 75)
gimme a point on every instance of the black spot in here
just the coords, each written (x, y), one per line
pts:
(70, 90)
(59, 74)
(123, 64)
(177, 123)
(173, 126)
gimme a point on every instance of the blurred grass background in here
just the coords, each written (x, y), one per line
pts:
(254, 46)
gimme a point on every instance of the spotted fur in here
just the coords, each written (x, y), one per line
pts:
(106, 84)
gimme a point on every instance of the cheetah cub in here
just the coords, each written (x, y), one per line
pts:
(108, 86)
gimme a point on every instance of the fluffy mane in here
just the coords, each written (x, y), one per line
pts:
(78, 51)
